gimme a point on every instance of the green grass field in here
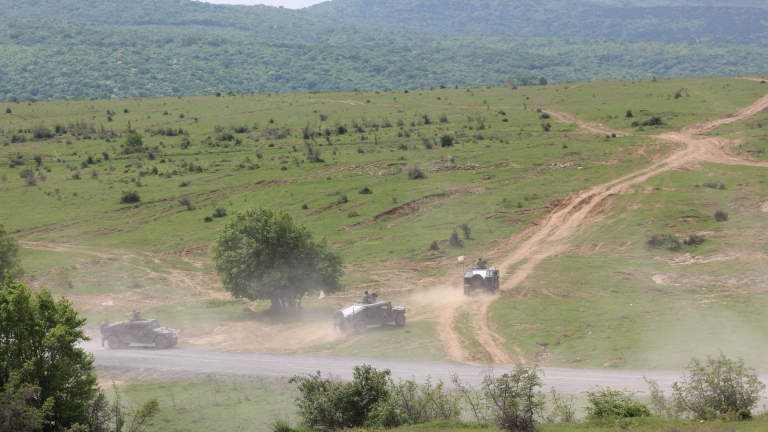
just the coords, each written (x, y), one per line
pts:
(607, 302)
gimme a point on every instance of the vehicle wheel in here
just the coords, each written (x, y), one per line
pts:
(114, 342)
(400, 320)
(361, 327)
(174, 341)
(162, 342)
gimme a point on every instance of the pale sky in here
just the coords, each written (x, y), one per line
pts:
(290, 4)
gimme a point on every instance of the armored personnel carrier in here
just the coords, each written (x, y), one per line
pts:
(143, 331)
(360, 315)
(486, 279)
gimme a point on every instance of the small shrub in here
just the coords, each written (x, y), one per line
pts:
(434, 246)
(8, 111)
(670, 242)
(342, 198)
(629, 114)
(185, 201)
(446, 141)
(304, 207)
(546, 126)
(544, 116)
(694, 240)
(466, 230)
(605, 403)
(283, 168)
(721, 216)
(352, 214)
(443, 118)
(454, 240)
(129, 197)
(219, 212)
(184, 183)
(415, 173)
(207, 219)
(365, 191)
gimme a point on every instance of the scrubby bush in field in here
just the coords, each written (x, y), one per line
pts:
(415, 173)
(186, 202)
(219, 212)
(329, 403)
(667, 241)
(467, 230)
(694, 240)
(605, 403)
(412, 403)
(365, 191)
(515, 403)
(454, 240)
(721, 216)
(129, 197)
(718, 387)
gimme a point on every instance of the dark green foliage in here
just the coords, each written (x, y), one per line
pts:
(714, 184)
(129, 197)
(219, 212)
(513, 397)
(413, 403)
(667, 241)
(605, 403)
(434, 246)
(186, 202)
(718, 387)
(353, 213)
(263, 254)
(18, 412)
(629, 114)
(331, 404)
(8, 110)
(132, 142)
(415, 173)
(446, 141)
(9, 255)
(454, 240)
(721, 216)
(653, 121)
(466, 230)
(342, 198)
(694, 240)
(341, 129)
(546, 126)
(365, 191)
(207, 219)
(544, 116)
(46, 333)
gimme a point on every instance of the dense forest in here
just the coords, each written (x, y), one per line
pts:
(105, 48)
(558, 19)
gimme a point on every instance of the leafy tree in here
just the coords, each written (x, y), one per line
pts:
(513, 397)
(263, 254)
(9, 255)
(331, 404)
(715, 387)
(45, 334)
(17, 412)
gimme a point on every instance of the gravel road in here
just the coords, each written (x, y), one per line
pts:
(179, 359)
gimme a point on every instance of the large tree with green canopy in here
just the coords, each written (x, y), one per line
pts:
(9, 255)
(263, 254)
(39, 352)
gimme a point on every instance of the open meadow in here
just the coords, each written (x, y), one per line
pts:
(383, 175)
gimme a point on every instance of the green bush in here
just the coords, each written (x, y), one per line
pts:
(454, 240)
(434, 246)
(329, 403)
(365, 191)
(415, 173)
(718, 387)
(129, 197)
(666, 241)
(219, 212)
(605, 403)
(694, 240)
(721, 216)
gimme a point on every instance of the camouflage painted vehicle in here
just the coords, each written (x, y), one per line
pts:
(359, 316)
(143, 331)
(481, 279)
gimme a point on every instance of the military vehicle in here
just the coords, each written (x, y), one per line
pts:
(360, 315)
(144, 331)
(481, 279)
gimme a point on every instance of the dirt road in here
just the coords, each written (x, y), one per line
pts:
(552, 234)
(177, 361)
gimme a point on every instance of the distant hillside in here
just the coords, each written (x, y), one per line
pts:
(46, 59)
(556, 18)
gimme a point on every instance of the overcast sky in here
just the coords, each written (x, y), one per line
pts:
(292, 4)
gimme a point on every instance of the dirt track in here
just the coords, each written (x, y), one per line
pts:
(552, 234)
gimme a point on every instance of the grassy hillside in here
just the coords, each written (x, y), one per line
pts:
(502, 172)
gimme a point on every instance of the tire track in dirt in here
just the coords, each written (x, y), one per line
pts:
(551, 235)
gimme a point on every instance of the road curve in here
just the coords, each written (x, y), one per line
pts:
(179, 359)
